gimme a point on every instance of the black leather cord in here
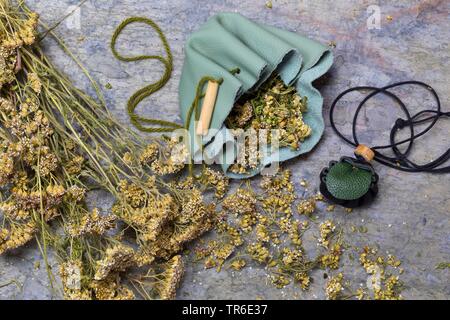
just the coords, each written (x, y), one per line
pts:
(400, 160)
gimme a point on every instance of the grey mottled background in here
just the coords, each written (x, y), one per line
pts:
(411, 215)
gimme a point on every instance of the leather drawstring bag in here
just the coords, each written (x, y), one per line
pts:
(228, 41)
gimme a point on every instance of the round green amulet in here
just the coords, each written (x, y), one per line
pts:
(345, 181)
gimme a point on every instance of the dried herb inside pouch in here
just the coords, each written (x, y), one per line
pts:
(273, 106)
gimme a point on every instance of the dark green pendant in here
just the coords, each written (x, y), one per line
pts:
(349, 182)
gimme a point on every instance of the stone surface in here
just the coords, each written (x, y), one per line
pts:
(410, 218)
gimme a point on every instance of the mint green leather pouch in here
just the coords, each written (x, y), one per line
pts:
(227, 41)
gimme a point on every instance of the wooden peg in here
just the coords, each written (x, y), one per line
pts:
(207, 108)
(365, 152)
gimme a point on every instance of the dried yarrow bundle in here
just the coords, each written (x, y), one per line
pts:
(91, 223)
(57, 144)
(335, 287)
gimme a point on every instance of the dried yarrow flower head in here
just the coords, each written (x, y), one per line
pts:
(34, 82)
(332, 258)
(8, 62)
(326, 230)
(279, 183)
(19, 234)
(22, 203)
(291, 257)
(25, 35)
(242, 201)
(29, 130)
(258, 252)
(185, 183)
(335, 287)
(76, 193)
(48, 163)
(233, 234)
(6, 106)
(163, 225)
(133, 194)
(144, 258)
(262, 233)
(173, 157)
(161, 280)
(82, 295)
(303, 279)
(196, 218)
(92, 223)
(6, 169)
(279, 193)
(149, 154)
(70, 273)
(280, 281)
(54, 195)
(171, 278)
(192, 208)
(110, 288)
(75, 165)
(307, 206)
(238, 264)
(117, 258)
(219, 254)
(150, 220)
(19, 207)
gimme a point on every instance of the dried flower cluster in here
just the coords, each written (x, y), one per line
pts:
(172, 158)
(326, 230)
(108, 288)
(307, 206)
(335, 287)
(216, 181)
(92, 223)
(116, 259)
(382, 284)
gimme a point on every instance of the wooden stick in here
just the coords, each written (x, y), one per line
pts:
(207, 108)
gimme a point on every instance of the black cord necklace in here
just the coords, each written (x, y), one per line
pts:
(352, 182)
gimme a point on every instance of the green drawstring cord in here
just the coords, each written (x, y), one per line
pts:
(140, 122)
